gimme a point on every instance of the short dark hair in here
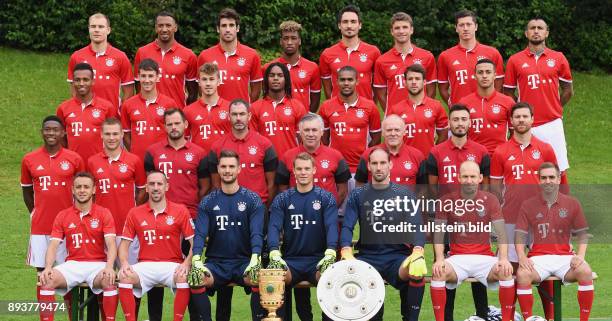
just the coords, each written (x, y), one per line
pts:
(240, 101)
(173, 111)
(157, 171)
(466, 13)
(111, 121)
(536, 18)
(379, 149)
(228, 13)
(458, 107)
(401, 16)
(485, 61)
(349, 8)
(165, 13)
(348, 68)
(149, 64)
(52, 118)
(83, 66)
(519, 105)
(415, 68)
(285, 70)
(546, 165)
(227, 153)
(83, 174)
(305, 156)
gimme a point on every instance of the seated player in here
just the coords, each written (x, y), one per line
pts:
(550, 219)
(160, 226)
(232, 218)
(87, 228)
(398, 258)
(470, 253)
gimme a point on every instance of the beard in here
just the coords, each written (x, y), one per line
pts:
(459, 135)
(536, 42)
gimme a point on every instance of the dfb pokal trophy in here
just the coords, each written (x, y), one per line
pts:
(271, 291)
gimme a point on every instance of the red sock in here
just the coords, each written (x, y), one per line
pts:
(546, 289)
(128, 304)
(586, 292)
(68, 302)
(100, 298)
(525, 298)
(438, 298)
(46, 296)
(514, 299)
(506, 299)
(110, 299)
(181, 300)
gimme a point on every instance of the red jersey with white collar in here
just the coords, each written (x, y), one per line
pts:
(112, 69)
(349, 126)
(208, 123)
(305, 78)
(84, 232)
(538, 81)
(177, 65)
(160, 235)
(456, 66)
(237, 70)
(408, 165)
(362, 59)
(390, 67)
(51, 178)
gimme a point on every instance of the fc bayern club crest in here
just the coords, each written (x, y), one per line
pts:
(360, 113)
(325, 163)
(176, 60)
(550, 62)
(241, 206)
(363, 57)
(253, 150)
(94, 223)
(408, 165)
(417, 62)
(123, 168)
(96, 113)
(65, 165)
(316, 205)
(428, 113)
(160, 111)
(563, 213)
(188, 157)
(495, 109)
(223, 115)
(110, 62)
(302, 74)
(471, 157)
(170, 220)
(241, 62)
(536, 154)
(287, 111)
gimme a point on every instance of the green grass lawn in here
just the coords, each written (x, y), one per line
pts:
(33, 84)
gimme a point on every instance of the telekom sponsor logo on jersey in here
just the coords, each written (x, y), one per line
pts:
(461, 76)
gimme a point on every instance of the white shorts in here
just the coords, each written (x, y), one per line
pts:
(152, 274)
(351, 187)
(132, 251)
(552, 265)
(76, 272)
(472, 266)
(552, 133)
(37, 249)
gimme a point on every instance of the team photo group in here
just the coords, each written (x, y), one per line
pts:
(195, 172)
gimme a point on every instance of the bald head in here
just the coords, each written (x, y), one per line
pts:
(469, 167)
(392, 119)
(393, 130)
(469, 176)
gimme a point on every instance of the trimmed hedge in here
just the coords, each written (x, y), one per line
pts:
(581, 29)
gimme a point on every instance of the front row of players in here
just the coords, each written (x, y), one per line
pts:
(231, 219)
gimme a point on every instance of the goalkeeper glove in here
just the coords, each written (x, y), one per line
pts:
(198, 272)
(415, 263)
(327, 260)
(252, 270)
(346, 253)
(276, 261)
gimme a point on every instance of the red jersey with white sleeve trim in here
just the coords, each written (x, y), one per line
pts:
(83, 124)
(305, 78)
(490, 118)
(208, 123)
(538, 81)
(116, 181)
(446, 158)
(480, 211)
(421, 120)
(112, 69)
(144, 120)
(84, 233)
(390, 67)
(278, 121)
(237, 69)
(362, 59)
(177, 65)
(51, 178)
(407, 165)
(159, 234)
(456, 65)
(551, 226)
(349, 126)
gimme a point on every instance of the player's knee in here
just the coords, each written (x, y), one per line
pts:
(523, 275)
(584, 272)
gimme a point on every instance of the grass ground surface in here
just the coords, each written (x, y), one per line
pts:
(33, 84)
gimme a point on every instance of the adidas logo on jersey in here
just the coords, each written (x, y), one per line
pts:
(335, 114)
(40, 168)
(525, 65)
(100, 170)
(446, 159)
(137, 113)
(162, 156)
(199, 117)
(265, 114)
(472, 110)
(291, 207)
(144, 223)
(337, 60)
(456, 62)
(511, 158)
(72, 115)
(71, 225)
(393, 67)
(216, 208)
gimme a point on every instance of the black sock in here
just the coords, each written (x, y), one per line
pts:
(201, 304)
(481, 300)
(257, 311)
(449, 309)
(224, 303)
(302, 304)
(155, 303)
(411, 298)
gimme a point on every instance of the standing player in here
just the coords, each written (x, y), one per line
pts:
(456, 64)
(84, 113)
(239, 65)
(178, 64)
(540, 73)
(470, 253)
(425, 118)
(389, 76)
(276, 116)
(232, 219)
(112, 68)
(142, 116)
(160, 225)
(46, 182)
(208, 117)
(489, 109)
(399, 259)
(305, 77)
(551, 252)
(88, 231)
(349, 51)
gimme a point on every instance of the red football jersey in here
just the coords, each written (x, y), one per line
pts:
(84, 233)
(116, 181)
(538, 81)
(407, 165)
(484, 210)
(362, 59)
(84, 124)
(349, 126)
(305, 78)
(390, 67)
(278, 121)
(518, 165)
(51, 178)
(237, 69)
(176, 66)
(490, 118)
(422, 121)
(445, 159)
(208, 123)
(112, 69)
(144, 120)
(551, 227)
(456, 66)
(160, 234)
